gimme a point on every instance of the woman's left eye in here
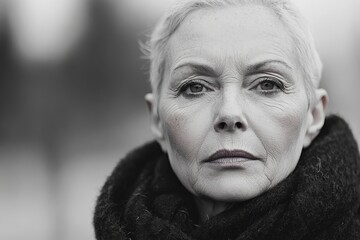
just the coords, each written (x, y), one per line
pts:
(269, 86)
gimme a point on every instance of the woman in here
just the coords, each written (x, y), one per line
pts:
(243, 148)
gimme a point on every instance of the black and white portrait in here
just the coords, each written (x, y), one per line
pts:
(181, 119)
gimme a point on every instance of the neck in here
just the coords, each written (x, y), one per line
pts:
(208, 208)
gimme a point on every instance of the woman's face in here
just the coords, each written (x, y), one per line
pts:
(233, 111)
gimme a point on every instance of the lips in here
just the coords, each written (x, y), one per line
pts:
(231, 154)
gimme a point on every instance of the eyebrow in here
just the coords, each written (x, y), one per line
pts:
(206, 70)
(201, 69)
(265, 64)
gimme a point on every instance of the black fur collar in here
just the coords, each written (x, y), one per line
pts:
(142, 199)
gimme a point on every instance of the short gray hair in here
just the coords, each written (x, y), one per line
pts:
(309, 60)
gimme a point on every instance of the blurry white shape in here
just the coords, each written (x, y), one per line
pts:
(332, 23)
(46, 30)
(25, 203)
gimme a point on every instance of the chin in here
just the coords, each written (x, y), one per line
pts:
(232, 191)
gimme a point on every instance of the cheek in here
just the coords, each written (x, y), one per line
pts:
(185, 129)
(283, 130)
(185, 132)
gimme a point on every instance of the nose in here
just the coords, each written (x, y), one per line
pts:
(229, 115)
(228, 124)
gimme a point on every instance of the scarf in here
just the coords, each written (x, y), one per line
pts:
(143, 199)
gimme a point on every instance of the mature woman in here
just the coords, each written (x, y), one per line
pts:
(243, 149)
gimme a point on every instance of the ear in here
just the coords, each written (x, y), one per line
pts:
(316, 116)
(156, 126)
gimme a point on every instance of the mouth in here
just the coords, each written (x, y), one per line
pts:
(230, 157)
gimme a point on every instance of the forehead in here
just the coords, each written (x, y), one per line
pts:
(240, 35)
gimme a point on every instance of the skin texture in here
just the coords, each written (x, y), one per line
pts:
(232, 83)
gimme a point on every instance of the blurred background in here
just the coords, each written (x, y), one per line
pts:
(72, 83)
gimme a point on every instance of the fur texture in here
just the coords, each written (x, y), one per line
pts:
(143, 199)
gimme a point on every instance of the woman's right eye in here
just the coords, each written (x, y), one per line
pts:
(194, 89)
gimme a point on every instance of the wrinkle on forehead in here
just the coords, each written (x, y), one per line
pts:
(212, 35)
(199, 23)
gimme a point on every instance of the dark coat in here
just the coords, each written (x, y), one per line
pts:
(320, 199)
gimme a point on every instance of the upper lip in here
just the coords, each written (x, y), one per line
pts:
(230, 154)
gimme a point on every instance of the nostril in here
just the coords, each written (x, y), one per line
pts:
(222, 125)
(228, 125)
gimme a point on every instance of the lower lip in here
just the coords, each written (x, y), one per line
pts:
(230, 162)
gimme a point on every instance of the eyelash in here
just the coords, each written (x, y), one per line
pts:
(185, 86)
(277, 83)
(182, 88)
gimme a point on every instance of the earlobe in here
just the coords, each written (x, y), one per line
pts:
(156, 126)
(316, 117)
